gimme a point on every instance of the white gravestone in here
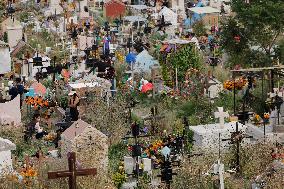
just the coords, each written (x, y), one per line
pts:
(221, 115)
(147, 162)
(10, 112)
(129, 165)
(5, 60)
(6, 146)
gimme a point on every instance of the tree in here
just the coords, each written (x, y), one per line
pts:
(199, 28)
(256, 27)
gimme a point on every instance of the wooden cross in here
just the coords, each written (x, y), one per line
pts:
(154, 118)
(72, 173)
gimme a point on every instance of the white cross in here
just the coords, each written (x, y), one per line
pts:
(221, 115)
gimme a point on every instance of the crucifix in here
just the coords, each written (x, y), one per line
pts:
(236, 138)
(221, 115)
(73, 172)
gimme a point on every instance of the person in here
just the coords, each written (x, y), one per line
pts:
(39, 130)
(20, 89)
(73, 105)
(13, 91)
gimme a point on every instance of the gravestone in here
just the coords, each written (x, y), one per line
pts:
(5, 60)
(5, 155)
(10, 112)
(129, 165)
(90, 144)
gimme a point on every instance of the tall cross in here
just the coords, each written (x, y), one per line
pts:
(154, 118)
(72, 173)
(221, 115)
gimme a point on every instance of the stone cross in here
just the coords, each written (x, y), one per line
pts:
(221, 115)
(72, 173)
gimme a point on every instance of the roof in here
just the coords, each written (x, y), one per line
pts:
(204, 10)
(139, 7)
(84, 85)
(78, 128)
(6, 145)
(134, 18)
(11, 23)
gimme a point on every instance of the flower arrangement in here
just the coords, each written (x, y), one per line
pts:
(29, 172)
(154, 148)
(256, 118)
(239, 83)
(36, 102)
(50, 137)
(119, 177)
(266, 115)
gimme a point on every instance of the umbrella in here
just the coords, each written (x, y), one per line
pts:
(39, 88)
(131, 57)
(147, 87)
(65, 73)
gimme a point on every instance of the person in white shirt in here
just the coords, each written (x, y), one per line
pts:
(39, 130)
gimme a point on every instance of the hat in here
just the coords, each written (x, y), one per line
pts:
(71, 93)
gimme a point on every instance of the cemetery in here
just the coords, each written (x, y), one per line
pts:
(153, 94)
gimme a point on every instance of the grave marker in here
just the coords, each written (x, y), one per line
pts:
(221, 115)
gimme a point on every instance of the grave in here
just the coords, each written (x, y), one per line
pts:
(208, 136)
(5, 155)
(5, 60)
(10, 112)
(90, 144)
(14, 31)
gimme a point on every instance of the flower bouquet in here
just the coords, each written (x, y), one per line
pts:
(256, 119)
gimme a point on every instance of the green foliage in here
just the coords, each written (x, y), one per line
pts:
(183, 59)
(226, 100)
(115, 155)
(63, 101)
(198, 111)
(259, 24)
(118, 179)
(199, 28)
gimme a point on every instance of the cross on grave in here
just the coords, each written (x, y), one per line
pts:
(154, 118)
(72, 173)
(236, 138)
(221, 115)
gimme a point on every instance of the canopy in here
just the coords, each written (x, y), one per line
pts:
(169, 15)
(134, 18)
(177, 41)
(83, 85)
(139, 7)
(204, 10)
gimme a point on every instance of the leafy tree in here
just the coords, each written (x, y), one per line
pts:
(256, 26)
(199, 28)
(183, 59)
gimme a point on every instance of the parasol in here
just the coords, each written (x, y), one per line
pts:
(147, 87)
(131, 57)
(65, 73)
(39, 88)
